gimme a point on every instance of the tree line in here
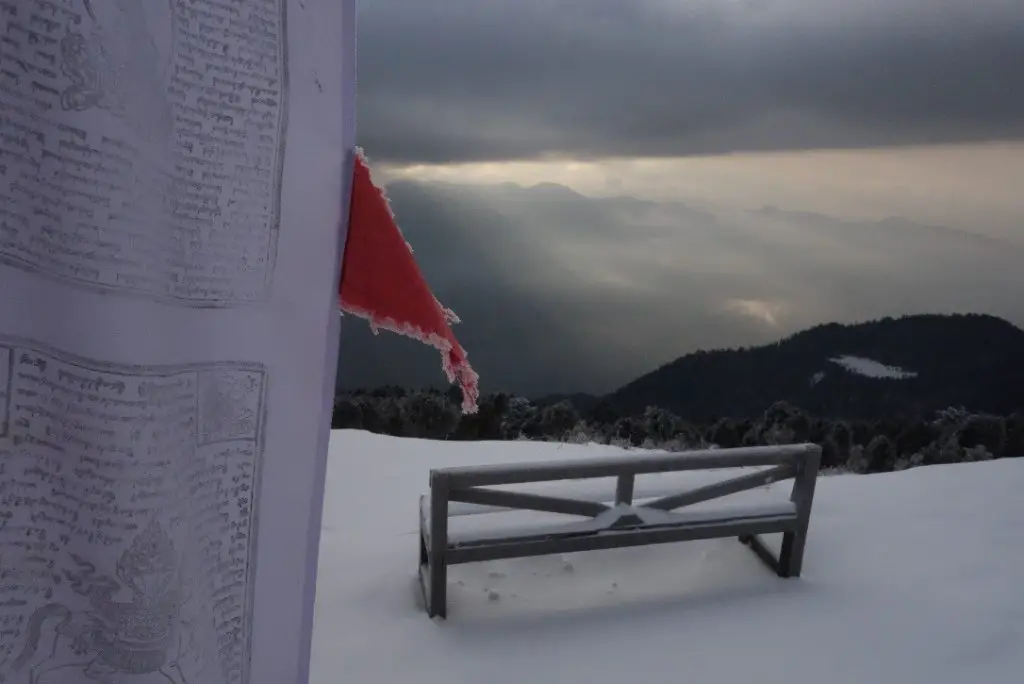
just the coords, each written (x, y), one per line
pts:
(953, 435)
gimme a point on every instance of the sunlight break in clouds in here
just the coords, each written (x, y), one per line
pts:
(976, 187)
(768, 312)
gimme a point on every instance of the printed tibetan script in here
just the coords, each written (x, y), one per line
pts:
(141, 145)
(142, 148)
(152, 469)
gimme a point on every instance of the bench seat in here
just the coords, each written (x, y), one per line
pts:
(617, 527)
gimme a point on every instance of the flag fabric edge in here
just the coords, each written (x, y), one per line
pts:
(382, 283)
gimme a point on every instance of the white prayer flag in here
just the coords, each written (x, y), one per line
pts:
(173, 191)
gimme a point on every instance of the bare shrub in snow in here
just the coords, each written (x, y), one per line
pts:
(857, 462)
(880, 454)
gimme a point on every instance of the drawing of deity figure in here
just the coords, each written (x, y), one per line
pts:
(119, 62)
(111, 641)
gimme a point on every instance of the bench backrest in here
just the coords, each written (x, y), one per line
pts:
(580, 469)
(468, 483)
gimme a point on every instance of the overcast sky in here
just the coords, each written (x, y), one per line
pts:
(889, 135)
(470, 80)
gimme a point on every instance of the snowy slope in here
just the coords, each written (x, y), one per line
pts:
(909, 577)
(870, 368)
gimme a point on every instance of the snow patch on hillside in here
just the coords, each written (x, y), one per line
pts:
(872, 369)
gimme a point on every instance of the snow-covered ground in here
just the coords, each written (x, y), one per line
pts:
(909, 577)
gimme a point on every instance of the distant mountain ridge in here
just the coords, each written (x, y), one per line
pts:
(904, 367)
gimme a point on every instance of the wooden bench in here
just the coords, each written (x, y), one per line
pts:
(618, 523)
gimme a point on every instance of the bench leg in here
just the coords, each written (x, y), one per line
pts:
(423, 573)
(761, 551)
(791, 556)
(437, 602)
(433, 582)
(437, 595)
(789, 562)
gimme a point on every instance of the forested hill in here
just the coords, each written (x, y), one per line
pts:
(904, 367)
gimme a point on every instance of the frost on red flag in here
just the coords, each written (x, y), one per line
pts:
(381, 282)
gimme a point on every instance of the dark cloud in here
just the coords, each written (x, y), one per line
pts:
(459, 80)
(560, 293)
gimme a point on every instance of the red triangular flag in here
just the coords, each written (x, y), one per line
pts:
(381, 282)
